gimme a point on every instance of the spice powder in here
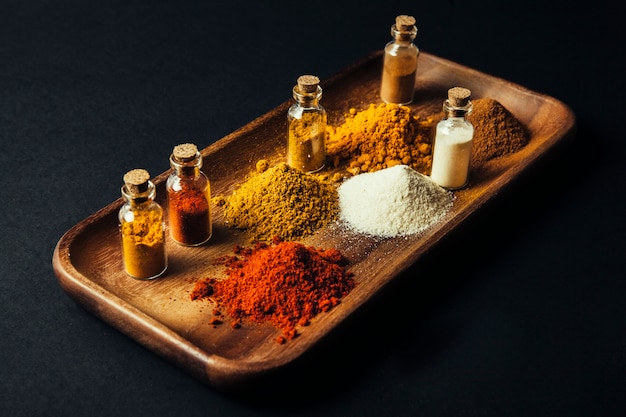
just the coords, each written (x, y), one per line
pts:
(286, 284)
(280, 202)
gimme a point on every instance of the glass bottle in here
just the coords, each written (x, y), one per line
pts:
(141, 227)
(454, 137)
(189, 197)
(400, 63)
(306, 142)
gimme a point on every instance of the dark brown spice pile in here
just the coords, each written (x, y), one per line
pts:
(497, 132)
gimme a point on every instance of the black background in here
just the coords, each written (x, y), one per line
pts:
(521, 312)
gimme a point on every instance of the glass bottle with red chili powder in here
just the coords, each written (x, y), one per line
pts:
(189, 197)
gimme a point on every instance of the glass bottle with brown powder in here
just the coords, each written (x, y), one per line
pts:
(400, 63)
(189, 196)
(306, 142)
(141, 227)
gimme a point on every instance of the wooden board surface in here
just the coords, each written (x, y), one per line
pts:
(160, 314)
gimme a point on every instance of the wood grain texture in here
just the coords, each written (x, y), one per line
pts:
(160, 314)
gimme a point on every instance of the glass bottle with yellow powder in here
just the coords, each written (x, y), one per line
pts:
(141, 227)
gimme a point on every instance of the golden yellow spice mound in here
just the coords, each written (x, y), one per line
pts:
(280, 201)
(381, 136)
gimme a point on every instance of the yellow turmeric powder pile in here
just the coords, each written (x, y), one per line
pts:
(280, 201)
(381, 136)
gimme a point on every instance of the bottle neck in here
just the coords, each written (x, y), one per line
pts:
(451, 112)
(403, 37)
(137, 199)
(307, 100)
(190, 169)
(187, 172)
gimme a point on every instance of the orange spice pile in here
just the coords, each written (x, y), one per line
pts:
(381, 136)
(286, 284)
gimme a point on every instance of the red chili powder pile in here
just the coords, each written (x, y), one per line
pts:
(286, 284)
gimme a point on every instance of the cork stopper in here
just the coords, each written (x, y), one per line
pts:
(405, 23)
(185, 152)
(308, 83)
(459, 96)
(136, 181)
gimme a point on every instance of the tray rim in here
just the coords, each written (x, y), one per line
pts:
(211, 368)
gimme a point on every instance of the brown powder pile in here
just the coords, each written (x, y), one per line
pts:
(496, 131)
(381, 136)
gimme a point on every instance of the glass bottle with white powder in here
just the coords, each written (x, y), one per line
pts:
(454, 137)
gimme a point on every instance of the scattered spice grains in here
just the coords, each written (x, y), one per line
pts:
(202, 289)
(284, 283)
(381, 136)
(280, 201)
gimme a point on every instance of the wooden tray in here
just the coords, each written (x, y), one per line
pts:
(160, 314)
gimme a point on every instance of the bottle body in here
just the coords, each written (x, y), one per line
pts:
(306, 146)
(307, 119)
(189, 197)
(452, 152)
(400, 65)
(143, 234)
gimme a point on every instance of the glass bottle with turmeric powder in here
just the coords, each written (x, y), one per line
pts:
(306, 142)
(189, 197)
(400, 63)
(142, 228)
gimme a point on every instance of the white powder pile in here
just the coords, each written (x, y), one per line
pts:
(396, 201)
